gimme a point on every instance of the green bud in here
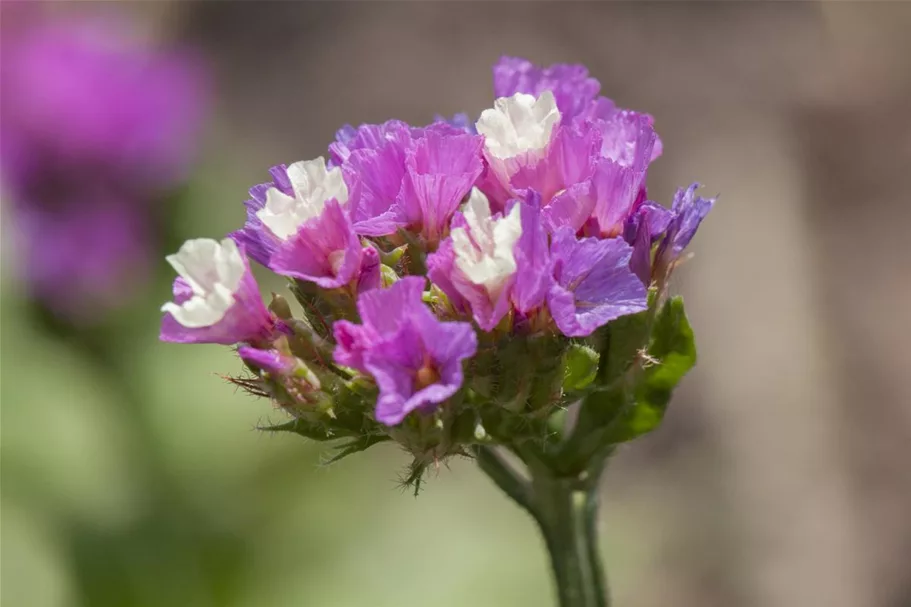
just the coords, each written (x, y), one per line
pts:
(388, 275)
(280, 307)
(580, 366)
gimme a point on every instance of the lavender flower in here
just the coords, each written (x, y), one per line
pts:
(95, 126)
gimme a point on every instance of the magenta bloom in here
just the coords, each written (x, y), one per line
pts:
(94, 127)
(594, 283)
(550, 132)
(216, 298)
(406, 176)
(271, 360)
(440, 171)
(415, 359)
(324, 250)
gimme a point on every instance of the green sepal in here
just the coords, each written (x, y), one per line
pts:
(306, 428)
(392, 257)
(357, 445)
(580, 367)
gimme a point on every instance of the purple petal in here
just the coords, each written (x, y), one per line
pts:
(440, 268)
(689, 210)
(382, 309)
(256, 239)
(441, 170)
(374, 177)
(460, 122)
(629, 139)
(573, 89)
(369, 276)
(272, 361)
(534, 271)
(367, 136)
(594, 284)
(615, 190)
(571, 207)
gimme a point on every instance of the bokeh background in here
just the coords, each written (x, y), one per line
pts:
(132, 474)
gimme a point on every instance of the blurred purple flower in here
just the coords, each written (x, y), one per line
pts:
(94, 126)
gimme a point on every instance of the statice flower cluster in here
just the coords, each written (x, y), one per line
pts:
(462, 283)
(97, 125)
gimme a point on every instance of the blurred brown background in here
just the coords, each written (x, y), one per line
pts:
(782, 475)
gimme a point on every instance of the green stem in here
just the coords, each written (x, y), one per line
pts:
(567, 513)
(566, 510)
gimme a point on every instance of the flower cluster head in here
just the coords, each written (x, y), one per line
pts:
(96, 125)
(459, 281)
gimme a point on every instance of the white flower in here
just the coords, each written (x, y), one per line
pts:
(313, 186)
(214, 271)
(518, 124)
(484, 252)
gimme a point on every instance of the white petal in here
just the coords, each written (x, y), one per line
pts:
(518, 124)
(485, 251)
(313, 185)
(214, 271)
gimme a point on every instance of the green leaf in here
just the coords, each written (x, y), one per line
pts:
(580, 366)
(622, 339)
(634, 401)
(673, 354)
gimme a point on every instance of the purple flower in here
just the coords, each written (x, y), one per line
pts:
(297, 226)
(401, 175)
(687, 212)
(216, 299)
(94, 127)
(576, 93)
(324, 250)
(89, 255)
(415, 359)
(574, 90)
(642, 229)
(594, 284)
(367, 136)
(440, 171)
